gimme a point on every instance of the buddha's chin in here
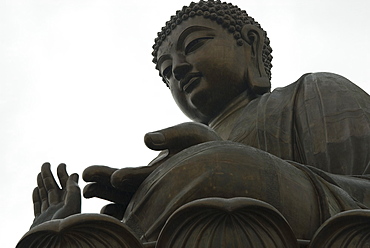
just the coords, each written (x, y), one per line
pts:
(203, 102)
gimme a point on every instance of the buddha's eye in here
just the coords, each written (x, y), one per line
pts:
(167, 72)
(195, 44)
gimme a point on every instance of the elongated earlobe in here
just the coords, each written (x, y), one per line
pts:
(256, 73)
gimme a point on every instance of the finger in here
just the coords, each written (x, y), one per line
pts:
(98, 173)
(62, 175)
(43, 194)
(50, 184)
(47, 177)
(72, 201)
(36, 202)
(73, 196)
(106, 193)
(179, 137)
(114, 210)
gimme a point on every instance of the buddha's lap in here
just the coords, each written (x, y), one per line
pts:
(225, 169)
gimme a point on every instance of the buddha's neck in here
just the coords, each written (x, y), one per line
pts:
(224, 122)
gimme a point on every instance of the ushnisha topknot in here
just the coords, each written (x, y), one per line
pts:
(229, 16)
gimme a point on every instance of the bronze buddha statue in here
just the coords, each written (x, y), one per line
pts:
(299, 154)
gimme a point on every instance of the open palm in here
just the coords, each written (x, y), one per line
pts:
(52, 202)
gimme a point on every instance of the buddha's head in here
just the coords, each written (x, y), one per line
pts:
(209, 54)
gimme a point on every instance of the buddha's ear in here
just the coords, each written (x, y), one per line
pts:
(257, 76)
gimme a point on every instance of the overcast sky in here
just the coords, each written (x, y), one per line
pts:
(77, 84)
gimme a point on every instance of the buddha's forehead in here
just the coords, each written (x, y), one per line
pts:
(169, 45)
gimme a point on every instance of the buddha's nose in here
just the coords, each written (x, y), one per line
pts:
(180, 70)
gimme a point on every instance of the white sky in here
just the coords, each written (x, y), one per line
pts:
(77, 84)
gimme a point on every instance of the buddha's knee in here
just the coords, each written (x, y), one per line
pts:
(227, 169)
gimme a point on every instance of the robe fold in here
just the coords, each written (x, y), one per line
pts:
(298, 148)
(322, 120)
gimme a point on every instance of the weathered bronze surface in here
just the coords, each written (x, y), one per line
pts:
(286, 168)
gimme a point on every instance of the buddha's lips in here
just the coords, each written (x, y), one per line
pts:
(189, 82)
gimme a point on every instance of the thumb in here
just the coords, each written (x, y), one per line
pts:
(73, 194)
(72, 180)
(179, 137)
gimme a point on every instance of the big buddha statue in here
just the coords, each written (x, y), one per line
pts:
(256, 168)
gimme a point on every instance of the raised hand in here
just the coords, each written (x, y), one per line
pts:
(119, 185)
(51, 202)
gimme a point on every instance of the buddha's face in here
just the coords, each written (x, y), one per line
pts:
(204, 67)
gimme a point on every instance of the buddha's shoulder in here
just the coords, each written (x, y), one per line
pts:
(321, 82)
(326, 80)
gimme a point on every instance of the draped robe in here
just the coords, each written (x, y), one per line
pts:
(312, 136)
(322, 120)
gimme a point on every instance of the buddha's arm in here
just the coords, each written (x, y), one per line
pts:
(332, 121)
